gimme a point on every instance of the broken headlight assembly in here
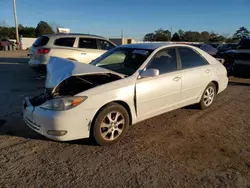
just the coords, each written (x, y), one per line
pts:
(63, 103)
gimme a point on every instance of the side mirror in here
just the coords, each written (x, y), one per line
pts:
(149, 73)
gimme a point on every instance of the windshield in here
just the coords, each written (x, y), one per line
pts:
(122, 60)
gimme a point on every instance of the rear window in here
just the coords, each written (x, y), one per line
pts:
(66, 41)
(87, 43)
(41, 41)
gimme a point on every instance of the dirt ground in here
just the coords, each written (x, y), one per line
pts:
(182, 148)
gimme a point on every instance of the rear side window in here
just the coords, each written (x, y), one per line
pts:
(87, 43)
(66, 41)
(104, 45)
(190, 59)
(41, 41)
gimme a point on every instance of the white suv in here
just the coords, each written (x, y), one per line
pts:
(79, 47)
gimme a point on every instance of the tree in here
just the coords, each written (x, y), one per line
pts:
(162, 35)
(176, 37)
(191, 36)
(158, 35)
(231, 40)
(54, 26)
(204, 36)
(242, 32)
(149, 37)
(181, 34)
(26, 31)
(43, 28)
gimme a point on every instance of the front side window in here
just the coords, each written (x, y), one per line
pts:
(87, 43)
(190, 59)
(105, 45)
(165, 61)
(122, 60)
(65, 41)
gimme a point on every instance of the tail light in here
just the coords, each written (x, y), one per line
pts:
(43, 51)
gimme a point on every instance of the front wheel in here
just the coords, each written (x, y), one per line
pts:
(110, 125)
(208, 96)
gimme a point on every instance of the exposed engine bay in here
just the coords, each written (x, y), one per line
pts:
(74, 85)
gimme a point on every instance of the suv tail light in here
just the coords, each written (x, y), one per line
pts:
(43, 51)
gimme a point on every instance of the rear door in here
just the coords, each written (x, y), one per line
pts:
(196, 74)
(104, 45)
(88, 50)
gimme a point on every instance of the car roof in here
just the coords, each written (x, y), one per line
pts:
(154, 45)
(74, 35)
(148, 46)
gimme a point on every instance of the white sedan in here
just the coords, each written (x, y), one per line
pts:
(124, 86)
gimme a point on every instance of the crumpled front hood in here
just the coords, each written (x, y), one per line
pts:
(59, 69)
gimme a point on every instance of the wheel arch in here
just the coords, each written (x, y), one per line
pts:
(216, 85)
(120, 102)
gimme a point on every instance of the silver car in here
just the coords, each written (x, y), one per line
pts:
(124, 86)
(78, 47)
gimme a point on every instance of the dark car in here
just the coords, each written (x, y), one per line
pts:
(237, 61)
(215, 45)
(225, 47)
(207, 48)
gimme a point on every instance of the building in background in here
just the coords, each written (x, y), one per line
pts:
(121, 41)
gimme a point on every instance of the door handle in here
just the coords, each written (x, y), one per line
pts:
(207, 71)
(177, 78)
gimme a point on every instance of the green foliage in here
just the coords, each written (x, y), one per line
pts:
(181, 34)
(149, 37)
(162, 35)
(176, 37)
(158, 35)
(194, 36)
(242, 32)
(43, 28)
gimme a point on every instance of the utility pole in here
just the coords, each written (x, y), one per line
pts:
(16, 23)
(171, 31)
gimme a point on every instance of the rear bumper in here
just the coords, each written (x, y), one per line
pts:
(223, 83)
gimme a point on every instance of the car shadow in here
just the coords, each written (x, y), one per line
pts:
(191, 107)
(239, 83)
(19, 129)
(14, 60)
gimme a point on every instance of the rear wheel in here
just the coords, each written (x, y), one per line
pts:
(208, 96)
(110, 125)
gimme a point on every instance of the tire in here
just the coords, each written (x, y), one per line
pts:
(208, 96)
(110, 125)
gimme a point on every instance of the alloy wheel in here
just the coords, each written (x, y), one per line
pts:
(112, 125)
(209, 96)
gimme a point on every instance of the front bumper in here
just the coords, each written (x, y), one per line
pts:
(75, 121)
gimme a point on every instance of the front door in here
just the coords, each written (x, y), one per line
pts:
(155, 95)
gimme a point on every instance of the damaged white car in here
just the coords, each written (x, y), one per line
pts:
(125, 85)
